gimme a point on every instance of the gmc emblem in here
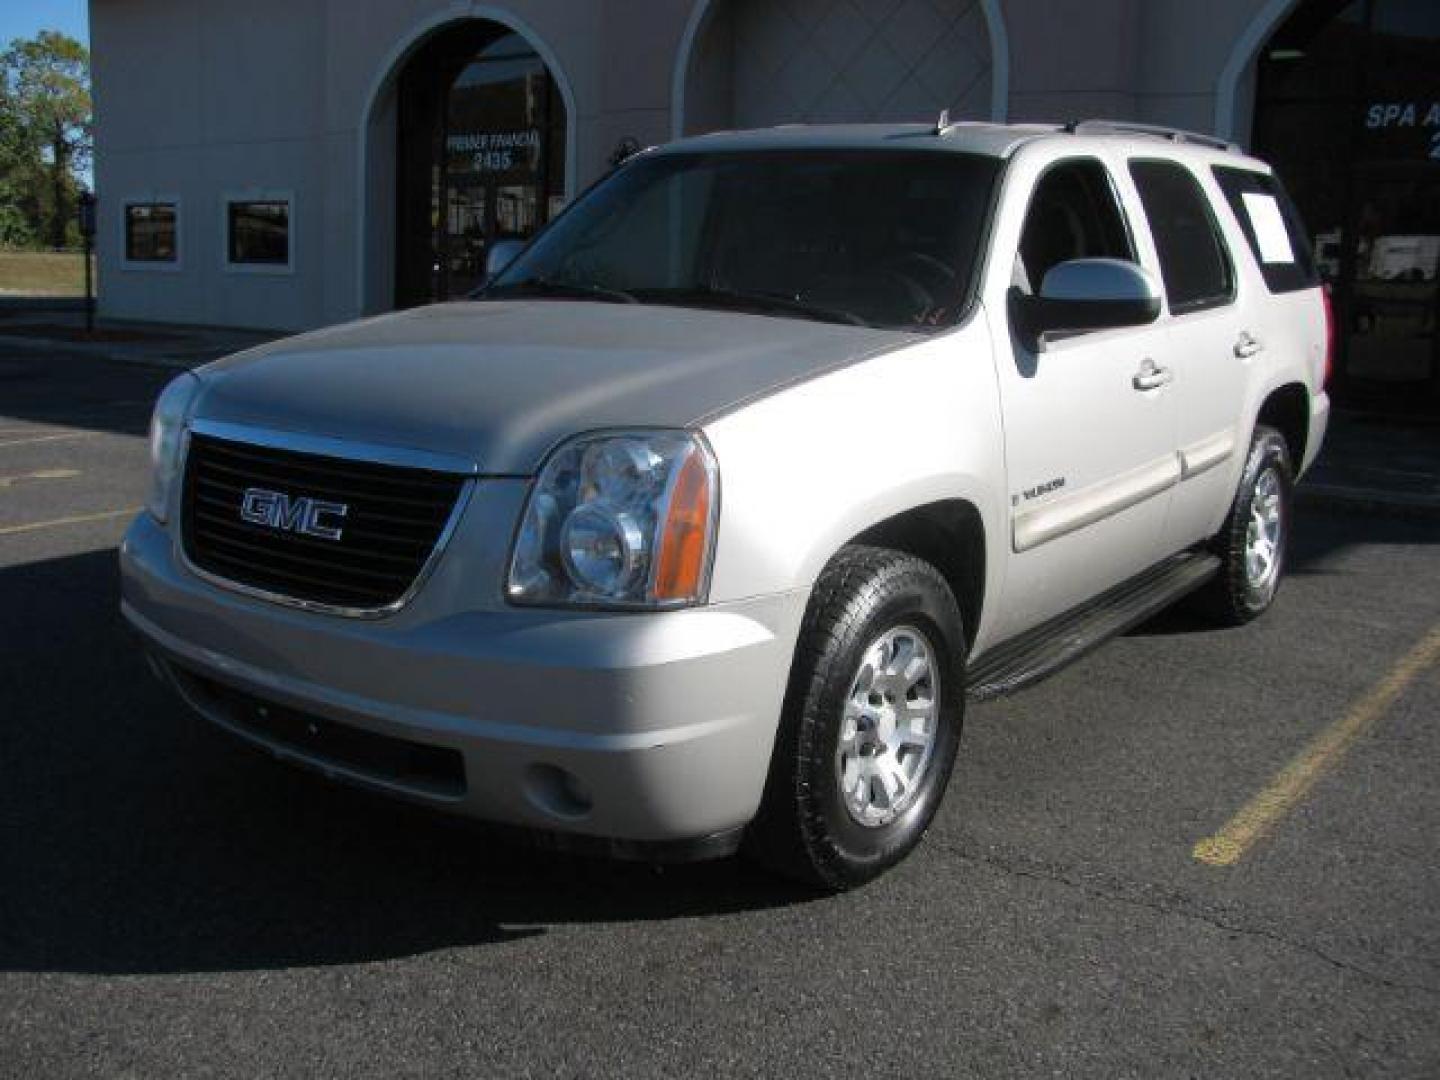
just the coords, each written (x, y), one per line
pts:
(306, 516)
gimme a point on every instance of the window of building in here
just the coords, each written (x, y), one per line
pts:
(1272, 227)
(152, 232)
(258, 233)
(1073, 214)
(1193, 259)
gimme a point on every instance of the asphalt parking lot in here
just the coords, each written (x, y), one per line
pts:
(174, 903)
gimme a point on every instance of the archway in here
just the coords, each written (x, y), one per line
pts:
(1347, 109)
(752, 63)
(467, 137)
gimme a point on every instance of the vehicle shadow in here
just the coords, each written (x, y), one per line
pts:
(135, 839)
(45, 390)
(1319, 535)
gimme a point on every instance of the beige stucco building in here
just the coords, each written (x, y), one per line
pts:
(290, 163)
(201, 103)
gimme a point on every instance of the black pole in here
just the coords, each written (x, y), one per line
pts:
(85, 211)
(89, 291)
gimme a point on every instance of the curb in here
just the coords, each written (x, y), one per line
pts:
(1394, 504)
(101, 352)
(15, 303)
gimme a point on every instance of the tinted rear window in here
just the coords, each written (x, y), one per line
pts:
(1193, 259)
(1261, 207)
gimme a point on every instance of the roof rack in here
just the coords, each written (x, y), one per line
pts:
(1158, 131)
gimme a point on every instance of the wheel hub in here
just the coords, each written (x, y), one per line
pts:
(1264, 537)
(887, 730)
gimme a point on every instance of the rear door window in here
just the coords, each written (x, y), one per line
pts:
(1272, 227)
(1194, 261)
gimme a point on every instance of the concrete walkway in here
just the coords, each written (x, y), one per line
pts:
(1370, 463)
(23, 326)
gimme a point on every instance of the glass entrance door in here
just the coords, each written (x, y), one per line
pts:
(1393, 292)
(482, 158)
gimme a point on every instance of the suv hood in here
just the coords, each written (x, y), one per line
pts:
(501, 382)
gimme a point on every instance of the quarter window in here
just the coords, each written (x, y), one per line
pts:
(1193, 259)
(1272, 227)
(1073, 215)
(151, 230)
(258, 233)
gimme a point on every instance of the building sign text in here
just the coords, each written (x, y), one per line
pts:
(495, 151)
(1392, 118)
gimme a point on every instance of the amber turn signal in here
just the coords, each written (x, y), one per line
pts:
(685, 537)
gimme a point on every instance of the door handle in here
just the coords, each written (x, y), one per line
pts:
(1247, 346)
(1151, 376)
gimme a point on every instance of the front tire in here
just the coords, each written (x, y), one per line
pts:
(870, 725)
(1254, 541)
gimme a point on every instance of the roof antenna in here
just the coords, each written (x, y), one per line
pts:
(943, 122)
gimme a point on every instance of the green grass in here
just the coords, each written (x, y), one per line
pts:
(41, 273)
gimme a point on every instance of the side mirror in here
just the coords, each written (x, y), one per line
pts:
(1089, 294)
(501, 254)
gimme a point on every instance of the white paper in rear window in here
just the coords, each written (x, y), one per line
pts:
(1270, 231)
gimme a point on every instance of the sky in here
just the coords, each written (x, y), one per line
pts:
(26, 18)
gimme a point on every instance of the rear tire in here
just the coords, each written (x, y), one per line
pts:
(870, 725)
(1253, 543)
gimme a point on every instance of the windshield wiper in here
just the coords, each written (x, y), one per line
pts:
(754, 301)
(574, 290)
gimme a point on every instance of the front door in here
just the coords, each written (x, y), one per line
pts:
(1089, 425)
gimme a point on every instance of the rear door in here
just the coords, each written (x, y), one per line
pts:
(1212, 342)
(1089, 440)
(1289, 311)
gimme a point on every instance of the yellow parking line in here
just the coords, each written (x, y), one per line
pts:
(78, 519)
(1292, 783)
(49, 438)
(39, 474)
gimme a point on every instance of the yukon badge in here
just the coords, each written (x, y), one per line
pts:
(306, 516)
(1038, 490)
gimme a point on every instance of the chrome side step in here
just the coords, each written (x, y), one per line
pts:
(1043, 651)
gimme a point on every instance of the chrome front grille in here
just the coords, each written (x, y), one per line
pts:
(315, 529)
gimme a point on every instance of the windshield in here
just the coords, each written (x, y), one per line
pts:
(875, 238)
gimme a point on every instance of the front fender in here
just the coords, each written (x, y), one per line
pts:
(804, 471)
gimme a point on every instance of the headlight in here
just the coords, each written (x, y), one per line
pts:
(167, 426)
(619, 519)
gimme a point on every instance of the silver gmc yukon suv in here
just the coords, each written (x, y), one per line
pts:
(695, 529)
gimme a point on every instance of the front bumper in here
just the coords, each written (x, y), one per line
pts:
(643, 728)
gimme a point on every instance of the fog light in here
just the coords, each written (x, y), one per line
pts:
(558, 792)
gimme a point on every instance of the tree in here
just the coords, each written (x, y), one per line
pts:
(16, 226)
(45, 131)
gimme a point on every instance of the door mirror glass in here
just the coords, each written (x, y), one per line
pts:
(501, 254)
(1089, 294)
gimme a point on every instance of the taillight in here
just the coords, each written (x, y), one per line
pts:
(1329, 336)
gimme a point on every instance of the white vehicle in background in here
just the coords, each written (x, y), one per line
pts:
(1386, 258)
(697, 528)
(1404, 258)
